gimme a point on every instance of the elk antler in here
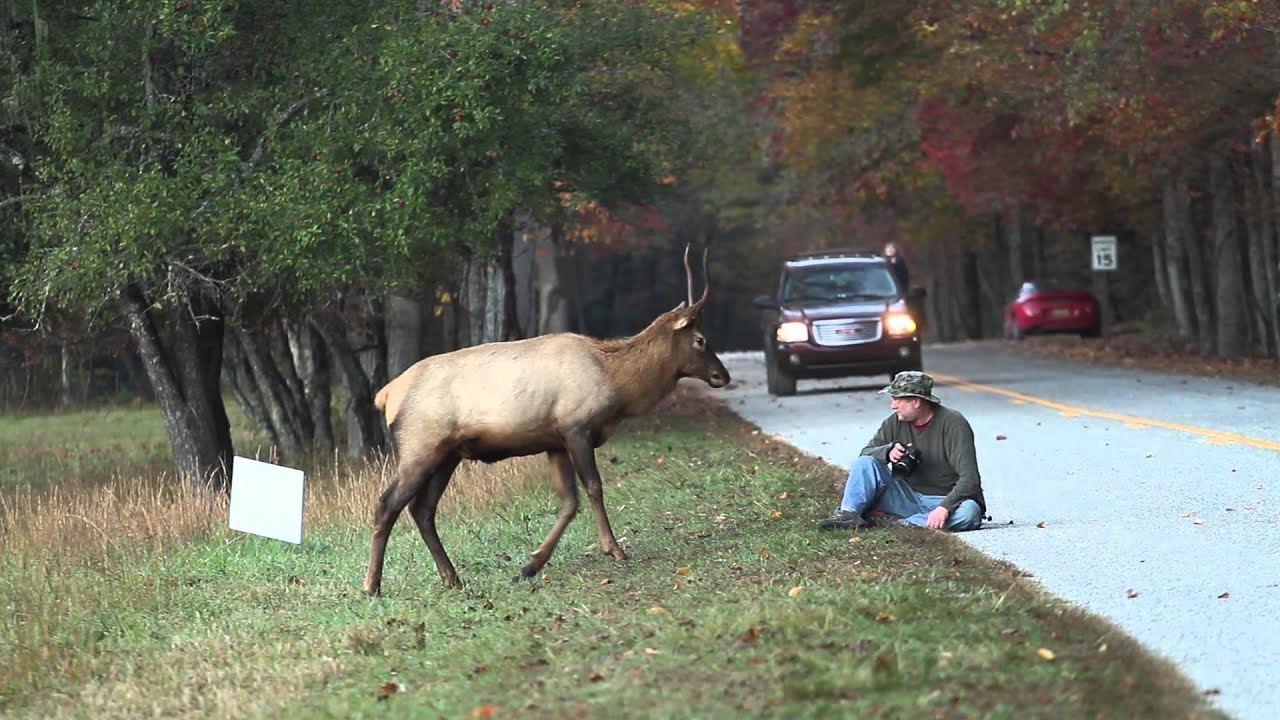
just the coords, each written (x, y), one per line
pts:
(688, 273)
(706, 280)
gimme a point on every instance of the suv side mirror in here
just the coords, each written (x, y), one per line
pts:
(916, 293)
(766, 302)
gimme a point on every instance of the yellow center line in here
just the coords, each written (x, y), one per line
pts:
(1213, 436)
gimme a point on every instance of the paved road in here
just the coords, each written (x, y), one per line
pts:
(1163, 484)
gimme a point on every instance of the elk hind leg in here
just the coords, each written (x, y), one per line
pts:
(562, 477)
(412, 473)
(423, 509)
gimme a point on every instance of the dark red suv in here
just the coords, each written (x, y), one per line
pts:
(838, 313)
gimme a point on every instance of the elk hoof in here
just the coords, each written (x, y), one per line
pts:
(373, 592)
(529, 570)
(617, 553)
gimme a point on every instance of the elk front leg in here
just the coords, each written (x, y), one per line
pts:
(562, 477)
(584, 459)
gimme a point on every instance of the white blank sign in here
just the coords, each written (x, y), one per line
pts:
(266, 499)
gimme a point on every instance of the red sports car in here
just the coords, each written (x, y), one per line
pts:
(1048, 307)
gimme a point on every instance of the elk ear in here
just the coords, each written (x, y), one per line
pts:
(682, 322)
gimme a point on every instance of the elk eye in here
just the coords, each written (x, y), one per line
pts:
(699, 342)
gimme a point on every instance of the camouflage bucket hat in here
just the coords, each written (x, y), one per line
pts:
(911, 383)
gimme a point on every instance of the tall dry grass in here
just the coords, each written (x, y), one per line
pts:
(101, 521)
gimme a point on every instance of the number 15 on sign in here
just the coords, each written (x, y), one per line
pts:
(1104, 252)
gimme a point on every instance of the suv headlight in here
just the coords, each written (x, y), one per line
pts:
(792, 332)
(899, 323)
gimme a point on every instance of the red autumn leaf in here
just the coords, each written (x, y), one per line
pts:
(484, 711)
(386, 690)
(1001, 437)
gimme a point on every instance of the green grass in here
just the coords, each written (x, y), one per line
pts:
(84, 447)
(731, 605)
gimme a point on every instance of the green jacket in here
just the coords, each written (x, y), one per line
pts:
(949, 460)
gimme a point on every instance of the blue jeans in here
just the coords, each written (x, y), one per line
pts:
(872, 487)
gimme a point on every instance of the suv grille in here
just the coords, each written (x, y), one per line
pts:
(846, 332)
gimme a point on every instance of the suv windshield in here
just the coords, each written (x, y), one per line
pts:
(838, 282)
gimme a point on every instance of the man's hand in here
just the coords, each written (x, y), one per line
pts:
(896, 452)
(937, 518)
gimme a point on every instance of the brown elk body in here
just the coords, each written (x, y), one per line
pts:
(562, 394)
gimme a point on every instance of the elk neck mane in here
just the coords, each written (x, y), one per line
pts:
(641, 367)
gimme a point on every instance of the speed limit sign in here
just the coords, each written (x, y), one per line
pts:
(1104, 252)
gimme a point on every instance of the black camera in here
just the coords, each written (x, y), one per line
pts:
(906, 464)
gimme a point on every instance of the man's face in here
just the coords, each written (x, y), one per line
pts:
(907, 407)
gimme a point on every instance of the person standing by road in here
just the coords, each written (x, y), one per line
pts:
(920, 468)
(897, 264)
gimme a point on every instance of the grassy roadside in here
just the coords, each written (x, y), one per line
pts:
(731, 605)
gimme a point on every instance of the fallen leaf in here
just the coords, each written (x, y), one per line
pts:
(605, 581)
(868, 574)
(774, 515)
(504, 557)
(855, 538)
(1198, 521)
(1001, 437)
(657, 610)
(1041, 524)
(651, 651)
(661, 460)
(783, 496)
(1009, 631)
(479, 668)
(484, 711)
(386, 690)
(678, 586)
(764, 553)
(1045, 654)
(1190, 514)
(1224, 596)
(883, 616)
(795, 591)
(595, 678)
(683, 571)
(749, 636)
(1131, 593)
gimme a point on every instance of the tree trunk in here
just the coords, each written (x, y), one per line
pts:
(1196, 268)
(369, 426)
(1261, 233)
(64, 374)
(404, 324)
(1233, 328)
(312, 361)
(244, 388)
(1159, 268)
(1272, 250)
(553, 306)
(1175, 250)
(184, 375)
(272, 392)
(1013, 238)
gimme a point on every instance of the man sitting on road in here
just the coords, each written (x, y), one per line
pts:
(942, 490)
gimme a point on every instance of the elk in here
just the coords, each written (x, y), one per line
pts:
(561, 394)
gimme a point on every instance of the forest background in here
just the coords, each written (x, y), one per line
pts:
(287, 203)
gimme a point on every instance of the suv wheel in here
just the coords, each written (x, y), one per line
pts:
(777, 380)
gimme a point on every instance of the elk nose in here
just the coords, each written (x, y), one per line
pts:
(718, 379)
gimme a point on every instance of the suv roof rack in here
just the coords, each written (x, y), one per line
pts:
(834, 253)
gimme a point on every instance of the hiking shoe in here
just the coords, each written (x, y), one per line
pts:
(880, 518)
(842, 520)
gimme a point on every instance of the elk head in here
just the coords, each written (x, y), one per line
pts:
(690, 349)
